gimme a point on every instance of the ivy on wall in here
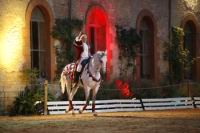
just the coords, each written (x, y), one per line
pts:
(63, 31)
(128, 43)
(180, 60)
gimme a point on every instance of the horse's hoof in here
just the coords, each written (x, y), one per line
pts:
(67, 111)
(80, 111)
(73, 113)
(95, 114)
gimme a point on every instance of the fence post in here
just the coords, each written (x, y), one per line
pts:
(193, 102)
(45, 96)
(142, 104)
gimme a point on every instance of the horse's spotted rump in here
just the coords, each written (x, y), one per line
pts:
(69, 70)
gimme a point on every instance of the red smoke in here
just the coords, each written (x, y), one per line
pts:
(124, 89)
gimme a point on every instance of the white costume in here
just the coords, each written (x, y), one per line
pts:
(84, 54)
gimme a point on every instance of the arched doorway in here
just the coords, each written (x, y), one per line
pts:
(147, 59)
(97, 27)
(39, 21)
(190, 44)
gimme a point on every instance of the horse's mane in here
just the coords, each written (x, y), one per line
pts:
(100, 53)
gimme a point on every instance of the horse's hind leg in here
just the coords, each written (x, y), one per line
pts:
(70, 107)
(70, 98)
(73, 92)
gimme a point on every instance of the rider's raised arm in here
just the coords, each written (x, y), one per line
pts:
(78, 42)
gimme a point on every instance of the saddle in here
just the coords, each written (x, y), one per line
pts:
(70, 69)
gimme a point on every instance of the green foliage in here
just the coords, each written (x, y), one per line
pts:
(194, 89)
(63, 31)
(161, 92)
(106, 91)
(179, 57)
(24, 102)
(31, 75)
(128, 43)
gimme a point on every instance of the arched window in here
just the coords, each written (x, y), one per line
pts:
(38, 43)
(147, 60)
(146, 49)
(96, 27)
(39, 21)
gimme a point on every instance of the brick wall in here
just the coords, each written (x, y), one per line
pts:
(125, 13)
(13, 44)
(14, 48)
(12, 57)
(180, 8)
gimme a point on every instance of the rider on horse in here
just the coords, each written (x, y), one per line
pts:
(83, 53)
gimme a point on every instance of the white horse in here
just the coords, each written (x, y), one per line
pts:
(90, 79)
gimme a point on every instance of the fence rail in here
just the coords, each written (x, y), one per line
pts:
(156, 97)
(197, 102)
(123, 105)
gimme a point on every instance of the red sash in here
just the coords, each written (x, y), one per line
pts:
(79, 49)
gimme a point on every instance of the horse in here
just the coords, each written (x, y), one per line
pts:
(90, 79)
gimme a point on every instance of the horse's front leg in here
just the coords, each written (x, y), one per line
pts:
(95, 90)
(87, 94)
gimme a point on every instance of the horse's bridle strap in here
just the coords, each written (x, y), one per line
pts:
(90, 74)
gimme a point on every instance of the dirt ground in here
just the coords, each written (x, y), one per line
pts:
(171, 121)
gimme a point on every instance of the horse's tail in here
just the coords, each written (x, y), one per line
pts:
(63, 82)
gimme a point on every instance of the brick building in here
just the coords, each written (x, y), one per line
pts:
(25, 40)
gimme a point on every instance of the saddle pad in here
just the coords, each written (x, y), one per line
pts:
(69, 70)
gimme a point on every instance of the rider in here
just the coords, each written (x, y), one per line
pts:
(81, 44)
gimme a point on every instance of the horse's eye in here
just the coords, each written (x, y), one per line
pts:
(101, 61)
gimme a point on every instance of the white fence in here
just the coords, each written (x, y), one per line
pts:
(197, 102)
(59, 107)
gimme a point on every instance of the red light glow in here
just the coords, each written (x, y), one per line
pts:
(123, 88)
(98, 29)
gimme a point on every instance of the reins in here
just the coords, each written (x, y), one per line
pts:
(90, 74)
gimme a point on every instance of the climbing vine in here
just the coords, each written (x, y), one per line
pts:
(63, 31)
(180, 59)
(128, 43)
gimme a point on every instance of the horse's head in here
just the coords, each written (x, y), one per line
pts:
(100, 59)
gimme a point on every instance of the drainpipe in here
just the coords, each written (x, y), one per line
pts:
(169, 37)
(70, 9)
(169, 22)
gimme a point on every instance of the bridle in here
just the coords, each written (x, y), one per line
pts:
(90, 74)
